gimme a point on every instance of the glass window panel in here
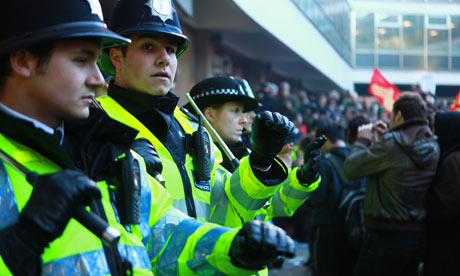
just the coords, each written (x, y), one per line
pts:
(413, 32)
(388, 38)
(438, 42)
(364, 31)
(364, 60)
(437, 20)
(455, 27)
(389, 60)
(413, 61)
(456, 63)
(385, 17)
(437, 62)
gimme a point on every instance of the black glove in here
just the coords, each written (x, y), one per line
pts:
(152, 161)
(44, 218)
(54, 198)
(269, 134)
(258, 244)
(309, 172)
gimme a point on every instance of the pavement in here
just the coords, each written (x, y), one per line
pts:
(295, 266)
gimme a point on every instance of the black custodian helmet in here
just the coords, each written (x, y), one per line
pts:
(27, 23)
(219, 90)
(144, 16)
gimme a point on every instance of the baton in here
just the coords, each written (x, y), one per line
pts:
(215, 136)
(89, 220)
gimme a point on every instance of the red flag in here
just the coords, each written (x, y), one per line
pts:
(385, 92)
(455, 105)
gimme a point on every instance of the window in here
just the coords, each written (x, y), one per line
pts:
(364, 31)
(388, 38)
(413, 44)
(413, 32)
(455, 29)
(365, 60)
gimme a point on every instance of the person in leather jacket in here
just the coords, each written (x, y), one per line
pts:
(400, 164)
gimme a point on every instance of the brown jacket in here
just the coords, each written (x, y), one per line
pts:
(399, 167)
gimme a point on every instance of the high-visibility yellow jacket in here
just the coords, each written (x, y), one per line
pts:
(229, 199)
(166, 242)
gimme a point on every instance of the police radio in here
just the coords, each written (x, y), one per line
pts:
(125, 175)
(201, 150)
(234, 161)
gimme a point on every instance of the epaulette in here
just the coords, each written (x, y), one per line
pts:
(189, 114)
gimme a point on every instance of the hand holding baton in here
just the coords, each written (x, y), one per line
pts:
(89, 220)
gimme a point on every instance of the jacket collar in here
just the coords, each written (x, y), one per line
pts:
(137, 102)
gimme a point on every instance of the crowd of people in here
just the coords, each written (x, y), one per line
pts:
(395, 157)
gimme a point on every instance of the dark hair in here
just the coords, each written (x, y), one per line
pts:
(331, 130)
(352, 128)
(41, 51)
(411, 106)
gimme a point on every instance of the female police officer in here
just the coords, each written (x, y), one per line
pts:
(223, 102)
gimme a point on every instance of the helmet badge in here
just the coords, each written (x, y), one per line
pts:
(95, 7)
(161, 8)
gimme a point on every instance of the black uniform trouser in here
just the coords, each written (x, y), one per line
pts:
(390, 253)
(329, 252)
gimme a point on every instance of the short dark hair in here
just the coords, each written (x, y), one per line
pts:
(331, 130)
(352, 128)
(411, 105)
(42, 51)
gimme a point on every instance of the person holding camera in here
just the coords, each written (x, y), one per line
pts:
(400, 165)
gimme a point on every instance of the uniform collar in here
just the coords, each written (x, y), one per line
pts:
(58, 132)
(137, 102)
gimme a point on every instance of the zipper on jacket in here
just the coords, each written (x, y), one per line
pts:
(191, 210)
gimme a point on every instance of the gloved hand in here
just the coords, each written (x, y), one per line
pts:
(257, 244)
(44, 218)
(54, 198)
(269, 134)
(152, 161)
(309, 172)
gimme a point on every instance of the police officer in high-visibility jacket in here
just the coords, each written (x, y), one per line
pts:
(223, 101)
(139, 97)
(48, 74)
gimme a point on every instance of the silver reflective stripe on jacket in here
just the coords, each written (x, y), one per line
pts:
(292, 192)
(161, 231)
(202, 209)
(203, 249)
(95, 263)
(244, 199)
(218, 198)
(8, 206)
(87, 263)
(167, 264)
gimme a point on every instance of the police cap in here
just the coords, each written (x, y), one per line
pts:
(144, 16)
(247, 89)
(26, 23)
(219, 90)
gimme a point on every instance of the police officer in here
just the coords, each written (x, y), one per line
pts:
(223, 101)
(139, 97)
(226, 112)
(48, 75)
